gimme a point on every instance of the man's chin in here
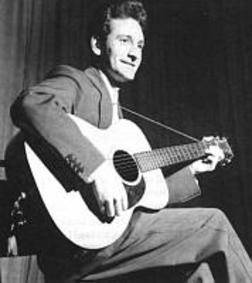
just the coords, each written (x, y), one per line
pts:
(121, 78)
(128, 77)
(124, 79)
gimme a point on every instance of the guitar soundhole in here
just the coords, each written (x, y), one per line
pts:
(125, 166)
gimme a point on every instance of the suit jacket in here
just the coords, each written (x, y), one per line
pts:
(41, 113)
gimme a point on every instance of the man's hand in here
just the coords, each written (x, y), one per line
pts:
(109, 190)
(215, 155)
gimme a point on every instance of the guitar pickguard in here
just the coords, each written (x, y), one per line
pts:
(135, 192)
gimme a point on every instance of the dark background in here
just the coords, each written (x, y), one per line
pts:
(196, 77)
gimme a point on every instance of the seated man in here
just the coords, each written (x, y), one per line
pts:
(199, 243)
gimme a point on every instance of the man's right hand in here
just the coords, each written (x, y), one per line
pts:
(109, 190)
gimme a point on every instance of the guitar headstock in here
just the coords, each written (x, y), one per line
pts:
(226, 148)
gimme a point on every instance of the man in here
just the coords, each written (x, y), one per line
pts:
(199, 244)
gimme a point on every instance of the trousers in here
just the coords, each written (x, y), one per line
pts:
(172, 245)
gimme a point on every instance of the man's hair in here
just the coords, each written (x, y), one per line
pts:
(116, 9)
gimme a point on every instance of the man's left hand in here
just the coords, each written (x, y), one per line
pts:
(209, 163)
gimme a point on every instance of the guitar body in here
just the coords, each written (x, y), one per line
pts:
(72, 215)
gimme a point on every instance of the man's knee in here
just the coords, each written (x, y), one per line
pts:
(219, 218)
(218, 213)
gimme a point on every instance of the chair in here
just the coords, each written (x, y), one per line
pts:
(20, 269)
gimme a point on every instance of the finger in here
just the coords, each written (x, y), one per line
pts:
(212, 158)
(125, 202)
(211, 163)
(109, 208)
(124, 198)
(207, 160)
(118, 207)
(102, 208)
(208, 138)
(100, 203)
(216, 152)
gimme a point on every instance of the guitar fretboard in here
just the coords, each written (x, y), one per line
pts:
(161, 157)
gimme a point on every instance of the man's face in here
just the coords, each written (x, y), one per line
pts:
(122, 54)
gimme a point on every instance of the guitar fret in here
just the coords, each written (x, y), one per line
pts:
(185, 152)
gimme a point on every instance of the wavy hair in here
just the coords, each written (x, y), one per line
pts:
(117, 9)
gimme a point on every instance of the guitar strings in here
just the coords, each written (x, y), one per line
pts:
(127, 163)
(176, 153)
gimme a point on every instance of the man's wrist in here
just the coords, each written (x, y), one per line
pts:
(100, 169)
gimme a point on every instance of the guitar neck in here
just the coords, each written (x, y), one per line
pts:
(161, 157)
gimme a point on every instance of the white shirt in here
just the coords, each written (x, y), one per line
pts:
(114, 95)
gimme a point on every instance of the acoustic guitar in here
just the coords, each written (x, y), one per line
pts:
(131, 158)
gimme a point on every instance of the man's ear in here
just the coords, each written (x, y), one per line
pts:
(95, 45)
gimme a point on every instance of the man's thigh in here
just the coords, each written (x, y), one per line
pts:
(170, 237)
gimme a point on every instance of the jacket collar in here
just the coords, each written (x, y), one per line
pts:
(105, 102)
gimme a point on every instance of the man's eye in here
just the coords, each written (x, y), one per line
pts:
(124, 40)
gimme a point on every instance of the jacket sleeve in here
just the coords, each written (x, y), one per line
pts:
(41, 113)
(182, 186)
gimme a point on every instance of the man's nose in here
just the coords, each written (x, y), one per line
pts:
(132, 57)
(133, 53)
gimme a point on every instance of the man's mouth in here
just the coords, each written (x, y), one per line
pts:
(128, 63)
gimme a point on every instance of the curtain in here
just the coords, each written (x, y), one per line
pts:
(195, 77)
(12, 56)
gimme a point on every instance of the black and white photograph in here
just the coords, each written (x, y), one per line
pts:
(125, 141)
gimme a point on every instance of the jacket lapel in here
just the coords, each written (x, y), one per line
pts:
(105, 102)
